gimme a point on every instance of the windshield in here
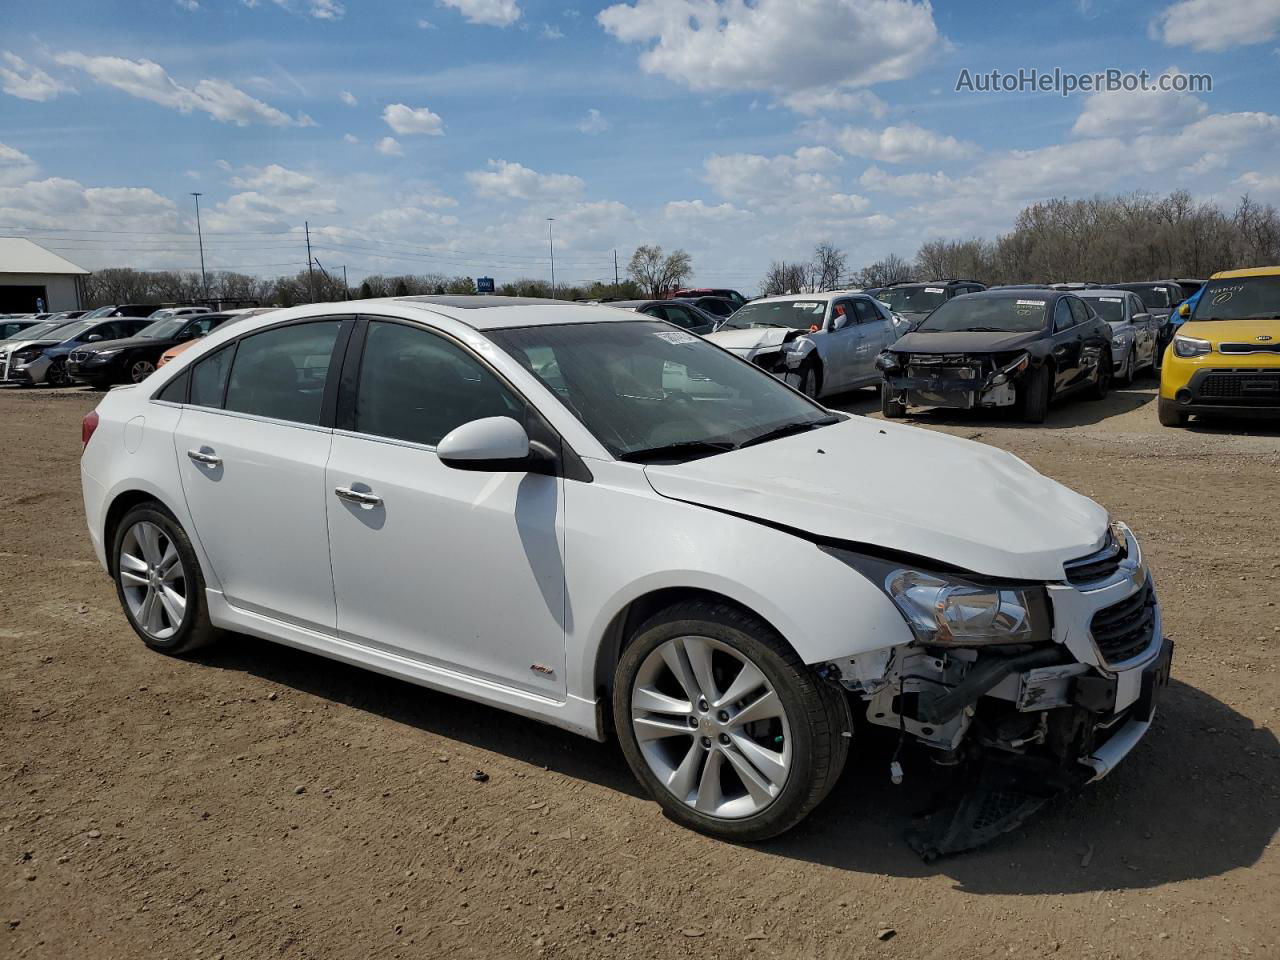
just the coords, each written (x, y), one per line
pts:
(792, 314)
(23, 331)
(1239, 298)
(163, 329)
(1151, 294)
(1111, 309)
(913, 299)
(988, 315)
(642, 388)
(99, 312)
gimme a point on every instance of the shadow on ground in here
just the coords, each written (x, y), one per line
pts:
(1198, 797)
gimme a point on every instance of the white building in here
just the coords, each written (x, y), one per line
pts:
(34, 280)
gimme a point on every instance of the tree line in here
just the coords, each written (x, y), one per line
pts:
(1136, 236)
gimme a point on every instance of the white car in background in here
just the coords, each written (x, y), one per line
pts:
(821, 343)
(1135, 331)
(516, 502)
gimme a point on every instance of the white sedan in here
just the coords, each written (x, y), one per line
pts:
(521, 503)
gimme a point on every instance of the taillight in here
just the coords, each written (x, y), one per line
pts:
(87, 426)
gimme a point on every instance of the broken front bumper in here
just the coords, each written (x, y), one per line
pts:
(964, 389)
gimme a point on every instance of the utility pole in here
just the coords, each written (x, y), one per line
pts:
(346, 290)
(204, 280)
(615, 271)
(311, 274)
(552, 242)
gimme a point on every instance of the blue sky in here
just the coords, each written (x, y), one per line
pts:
(438, 135)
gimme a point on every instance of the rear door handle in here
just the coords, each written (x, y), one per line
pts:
(357, 496)
(207, 459)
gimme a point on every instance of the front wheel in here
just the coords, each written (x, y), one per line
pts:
(139, 370)
(810, 380)
(1169, 414)
(890, 408)
(723, 723)
(1034, 393)
(159, 583)
(1125, 376)
(57, 375)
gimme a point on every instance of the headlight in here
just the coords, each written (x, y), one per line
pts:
(1011, 369)
(887, 361)
(24, 356)
(768, 361)
(962, 614)
(950, 610)
(1117, 341)
(1191, 346)
(106, 353)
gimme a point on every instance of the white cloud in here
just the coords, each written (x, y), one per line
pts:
(786, 184)
(514, 180)
(350, 138)
(347, 97)
(907, 143)
(58, 202)
(1267, 185)
(1217, 25)
(593, 122)
(20, 79)
(406, 120)
(390, 146)
(148, 80)
(326, 9)
(833, 100)
(191, 5)
(274, 179)
(1119, 112)
(15, 166)
(494, 13)
(782, 46)
(696, 210)
(551, 32)
(425, 24)
(907, 184)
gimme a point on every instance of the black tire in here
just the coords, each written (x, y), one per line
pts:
(810, 379)
(1101, 385)
(890, 409)
(1129, 372)
(139, 370)
(1034, 393)
(1170, 414)
(818, 715)
(56, 375)
(196, 630)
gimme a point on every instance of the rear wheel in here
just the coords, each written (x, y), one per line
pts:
(890, 408)
(159, 583)
(1170, 414)
(139, 370)
(1034, 393)
(1102, 379)
(724, 724)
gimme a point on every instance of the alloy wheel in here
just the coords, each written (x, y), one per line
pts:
(140, 370)
(711, 727)
(153, 580)
(57, 375)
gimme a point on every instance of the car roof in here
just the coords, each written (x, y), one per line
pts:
(496, 313)
(1100, 292)
(1247, 272)
(1006, 293)
(825, 295)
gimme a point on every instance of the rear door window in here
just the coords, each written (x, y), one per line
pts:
(1062, 318)
(209, 378)
(1078, 310)
(281, 373)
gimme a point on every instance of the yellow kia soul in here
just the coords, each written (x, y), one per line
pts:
(1226, 357)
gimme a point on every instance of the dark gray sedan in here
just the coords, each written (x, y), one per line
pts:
(679, 312)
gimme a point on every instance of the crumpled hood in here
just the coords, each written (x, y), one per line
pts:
(908, 489)
(750, 338)
(11, 346)
(925, 342)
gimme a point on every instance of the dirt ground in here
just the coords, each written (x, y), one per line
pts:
(260, 802)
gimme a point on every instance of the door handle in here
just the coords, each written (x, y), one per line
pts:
(357, 496)
(206, 459)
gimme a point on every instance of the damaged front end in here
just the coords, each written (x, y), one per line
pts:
(1026, 690)
(959, 380)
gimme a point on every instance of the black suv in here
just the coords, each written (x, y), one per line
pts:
(916, 299)
(133, 359)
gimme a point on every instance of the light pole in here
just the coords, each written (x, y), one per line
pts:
(551, 240)
(204, 280)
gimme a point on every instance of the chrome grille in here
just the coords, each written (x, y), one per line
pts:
(1249, 348)
(1097, 566)
(78, 356)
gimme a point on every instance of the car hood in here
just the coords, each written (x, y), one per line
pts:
(9, 346)
(907, 489)
(750, 338)
(1232, 331)
(925, 342)
(128, 342)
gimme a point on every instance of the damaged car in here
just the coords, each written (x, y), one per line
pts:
(519, 503)
(1017, 349)
(820, 343)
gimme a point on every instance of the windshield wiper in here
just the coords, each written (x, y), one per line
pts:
(787, 429)
(681, 448)
(981, 330)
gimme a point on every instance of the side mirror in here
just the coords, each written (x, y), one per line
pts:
(493, 445)
(92, 337)
(1184, 311)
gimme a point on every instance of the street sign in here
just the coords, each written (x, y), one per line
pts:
(484, 285)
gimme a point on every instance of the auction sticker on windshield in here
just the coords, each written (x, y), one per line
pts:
(675, 336)
(934, 290)
(1030, 303)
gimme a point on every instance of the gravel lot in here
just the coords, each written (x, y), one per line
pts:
(260, 802)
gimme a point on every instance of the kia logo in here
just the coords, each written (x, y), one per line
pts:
(1264, 337)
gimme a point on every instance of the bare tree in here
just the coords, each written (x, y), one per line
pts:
(657, 273)
(891, 269)
(827, 266)
(784, 277)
